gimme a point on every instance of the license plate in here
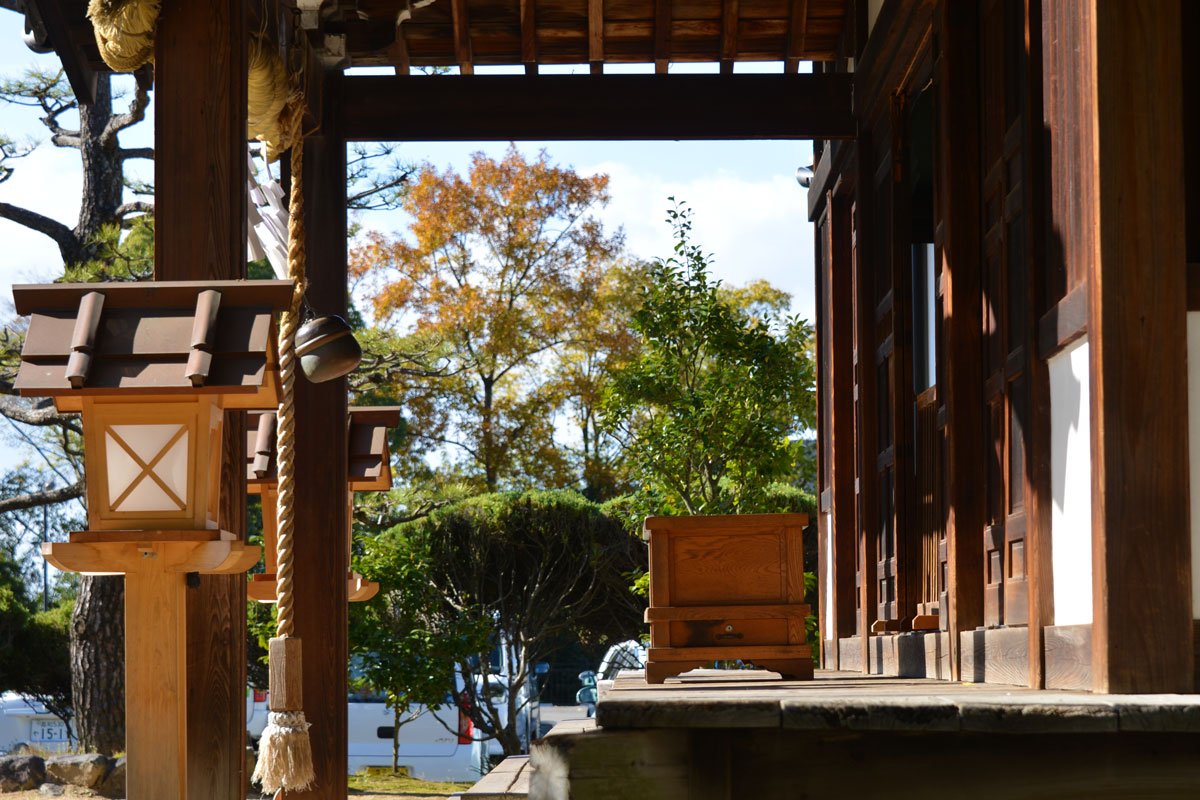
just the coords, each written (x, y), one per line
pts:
(375, 771)
(45, 730)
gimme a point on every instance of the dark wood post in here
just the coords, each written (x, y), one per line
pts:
(1137, 295)
(839, 266)
(958, 111)
(200, 234)
(321, 429)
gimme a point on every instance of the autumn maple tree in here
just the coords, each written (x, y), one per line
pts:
(502, 278)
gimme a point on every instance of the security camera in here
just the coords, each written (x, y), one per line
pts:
(804, 176)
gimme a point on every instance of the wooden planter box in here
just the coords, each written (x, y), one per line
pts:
(727, 588)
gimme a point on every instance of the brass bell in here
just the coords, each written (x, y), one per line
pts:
(327, 349)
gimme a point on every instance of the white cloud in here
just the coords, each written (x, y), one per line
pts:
(754, 227)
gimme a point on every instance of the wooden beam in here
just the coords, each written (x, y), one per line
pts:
(321, 563)
(529, 54)
(797, 30)
(200, 234)
(462, 37)
(595, 36)
(1137, 345)
(662, 36)
(572, 107)
(398, 52)
(957, 73)
(729, 35)
(56, 19)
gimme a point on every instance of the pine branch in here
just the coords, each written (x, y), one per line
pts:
(41, 416)
(43, 498)
(135, 114)
(136, 152)
(134, 207)
(61, 234)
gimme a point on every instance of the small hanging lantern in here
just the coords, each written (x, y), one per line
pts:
(369, 470)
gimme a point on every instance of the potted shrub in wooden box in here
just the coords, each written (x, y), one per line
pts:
(727, 588)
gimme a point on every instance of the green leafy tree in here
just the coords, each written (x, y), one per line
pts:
(401, 646)
(35, 656)
(528, 568)
(719, 383)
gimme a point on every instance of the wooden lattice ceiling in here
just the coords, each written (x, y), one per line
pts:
(466, 33)
(512, 32)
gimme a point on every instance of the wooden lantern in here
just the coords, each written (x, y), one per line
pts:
(369, 470)
(726, 588)
(152, 367)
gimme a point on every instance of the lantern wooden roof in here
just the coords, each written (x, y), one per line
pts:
(369, 456)
(151, 338)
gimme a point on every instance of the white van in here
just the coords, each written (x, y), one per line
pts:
(440, 745)
(26, 723)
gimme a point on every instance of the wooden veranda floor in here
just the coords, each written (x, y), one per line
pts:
(730, 735)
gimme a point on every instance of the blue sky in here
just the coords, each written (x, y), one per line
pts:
(749, 211)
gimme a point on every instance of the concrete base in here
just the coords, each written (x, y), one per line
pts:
(915, 654)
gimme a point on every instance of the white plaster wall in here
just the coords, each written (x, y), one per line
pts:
(1193, 345)
(827, 584)
(1071, 485)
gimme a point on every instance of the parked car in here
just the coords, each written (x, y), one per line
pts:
(623, 655)
(27, 724)
(440, 745)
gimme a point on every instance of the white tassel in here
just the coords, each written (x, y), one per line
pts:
(285, 753)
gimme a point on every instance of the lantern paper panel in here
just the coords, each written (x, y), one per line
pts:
(153, 463)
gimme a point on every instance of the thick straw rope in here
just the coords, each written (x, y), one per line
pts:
(286, 431)
(285, 754)
(124, 31)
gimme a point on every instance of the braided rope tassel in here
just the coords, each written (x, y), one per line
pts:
(285, 753)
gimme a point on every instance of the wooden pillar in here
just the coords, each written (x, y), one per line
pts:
(1038, 545)
(321, 464)
(155, 638)
(865, 429)
(1137, 290)
(200, 234)
(841, 398)
(958, 112)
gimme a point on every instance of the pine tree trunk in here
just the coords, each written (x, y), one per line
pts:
(98, 664)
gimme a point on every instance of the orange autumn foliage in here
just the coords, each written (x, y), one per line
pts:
(507, 270)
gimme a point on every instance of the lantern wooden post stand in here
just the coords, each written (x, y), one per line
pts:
(369, 470)
(155, 565)
(152, 367)
(726, 588)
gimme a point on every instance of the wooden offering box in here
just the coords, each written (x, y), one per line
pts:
(727, 588)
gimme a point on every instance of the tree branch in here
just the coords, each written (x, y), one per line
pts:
(135, 114)
(43, 498)
(61, 234)
(136, 152)
(134, 207)
(41, 416)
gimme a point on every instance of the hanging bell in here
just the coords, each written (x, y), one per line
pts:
(327, 349)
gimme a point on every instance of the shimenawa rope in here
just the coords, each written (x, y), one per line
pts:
(124, 31)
